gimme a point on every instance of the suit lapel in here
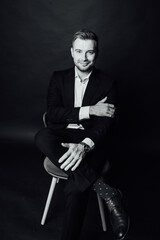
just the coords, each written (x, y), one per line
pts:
(90, 93)
(69, 88)
(91, 89)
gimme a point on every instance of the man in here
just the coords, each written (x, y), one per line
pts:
(80, 111)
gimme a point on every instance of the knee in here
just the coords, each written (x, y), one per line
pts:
(45, 140)
(39, 138)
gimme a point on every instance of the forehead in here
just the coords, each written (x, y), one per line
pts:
(87, 44)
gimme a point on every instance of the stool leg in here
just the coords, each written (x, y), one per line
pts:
(51, 190)
(101, 209)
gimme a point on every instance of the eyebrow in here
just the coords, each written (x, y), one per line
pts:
(90, 50)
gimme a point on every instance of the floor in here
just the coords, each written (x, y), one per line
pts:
(24, 187)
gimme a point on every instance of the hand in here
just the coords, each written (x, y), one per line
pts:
(73, 157)
(102, 109)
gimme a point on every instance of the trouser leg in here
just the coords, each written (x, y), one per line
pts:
(76, 204)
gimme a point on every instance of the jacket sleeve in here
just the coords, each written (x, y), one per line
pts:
(101, 126)
(57, 110)
(101, 130)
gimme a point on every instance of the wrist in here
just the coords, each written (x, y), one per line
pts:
(91, 110)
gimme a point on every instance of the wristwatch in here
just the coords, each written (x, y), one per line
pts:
(86, 147)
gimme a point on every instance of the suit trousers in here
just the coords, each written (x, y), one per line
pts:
(79, 181)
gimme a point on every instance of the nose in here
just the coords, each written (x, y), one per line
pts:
(84, 56)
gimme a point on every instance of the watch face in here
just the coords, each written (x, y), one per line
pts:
(86, 148)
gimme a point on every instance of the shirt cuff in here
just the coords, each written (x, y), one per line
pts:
(89, 142)
(84, 113)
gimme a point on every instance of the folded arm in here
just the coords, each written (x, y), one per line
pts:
(59, 112)
(76, 152)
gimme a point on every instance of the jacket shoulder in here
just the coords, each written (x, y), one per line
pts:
(58, 77)
(64, 72)
(105, 78)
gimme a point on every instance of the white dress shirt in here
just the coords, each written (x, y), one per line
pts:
(79, 90)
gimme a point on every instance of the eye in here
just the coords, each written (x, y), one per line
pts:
(91, 52)
(78, 50)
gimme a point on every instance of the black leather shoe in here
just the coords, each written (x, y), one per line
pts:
(118, 217)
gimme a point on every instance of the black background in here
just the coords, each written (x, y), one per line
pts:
(36, 36)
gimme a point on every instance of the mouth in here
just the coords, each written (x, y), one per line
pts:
(84, 64)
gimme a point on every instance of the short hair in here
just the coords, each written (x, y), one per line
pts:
(85, 34)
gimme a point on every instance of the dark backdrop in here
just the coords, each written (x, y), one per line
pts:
(35, 40)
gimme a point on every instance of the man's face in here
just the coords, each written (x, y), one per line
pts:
(84, 54)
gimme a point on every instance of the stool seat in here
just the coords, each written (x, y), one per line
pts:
(54, 170)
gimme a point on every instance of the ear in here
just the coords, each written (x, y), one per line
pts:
(72, 52)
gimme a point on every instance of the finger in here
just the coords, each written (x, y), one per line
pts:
(76, 165)
(103, 100)
(110, 115)
(110, 105)
(64, 156)
(67, 145)
(67, 161)
(71, 164)
(111, 111)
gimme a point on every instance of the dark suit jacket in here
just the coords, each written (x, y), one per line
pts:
(60, 102)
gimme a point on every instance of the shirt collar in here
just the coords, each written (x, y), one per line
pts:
(78, 77)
